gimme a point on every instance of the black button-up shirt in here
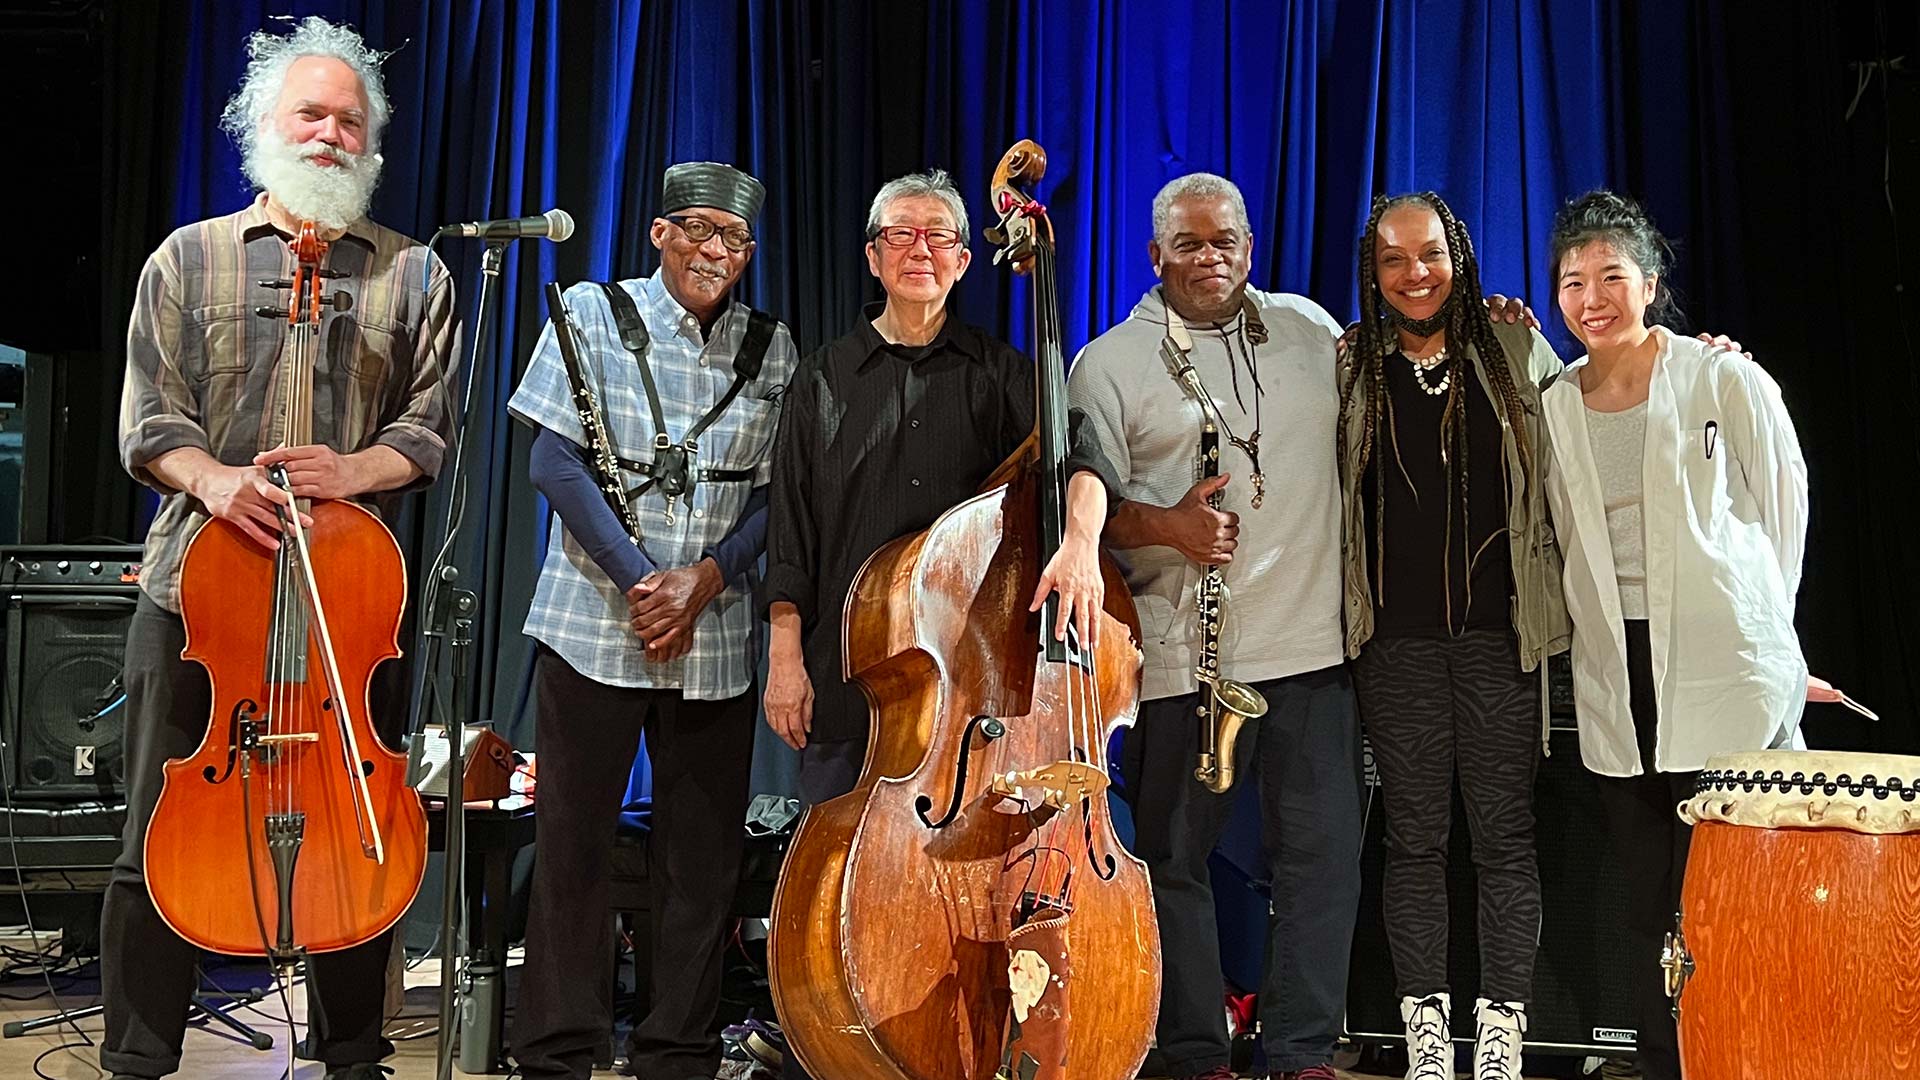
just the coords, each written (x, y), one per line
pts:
(876, 441)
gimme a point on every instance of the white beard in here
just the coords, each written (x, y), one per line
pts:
(331, 197)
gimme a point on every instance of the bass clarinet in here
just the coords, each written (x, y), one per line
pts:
(593, 423)
(1225, 704)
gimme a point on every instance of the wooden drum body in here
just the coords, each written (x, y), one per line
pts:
(1797, 955)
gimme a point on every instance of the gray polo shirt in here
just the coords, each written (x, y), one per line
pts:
(1282, 615)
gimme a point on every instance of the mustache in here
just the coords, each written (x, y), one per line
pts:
(329, 152)
(701, 266)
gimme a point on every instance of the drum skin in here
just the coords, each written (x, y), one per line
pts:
(1806, 954)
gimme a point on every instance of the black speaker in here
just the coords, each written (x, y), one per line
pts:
(1581, 998)
(66, 638)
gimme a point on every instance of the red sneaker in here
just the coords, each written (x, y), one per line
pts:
(1218, 1072)
(1312, 1072)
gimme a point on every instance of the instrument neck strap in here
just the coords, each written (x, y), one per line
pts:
(1176, 350)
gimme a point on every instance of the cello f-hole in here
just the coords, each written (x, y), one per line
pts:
(239, 721)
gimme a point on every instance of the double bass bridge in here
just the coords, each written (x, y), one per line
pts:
(1053, 787)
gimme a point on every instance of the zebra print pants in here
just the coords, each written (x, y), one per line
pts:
(1435, 708)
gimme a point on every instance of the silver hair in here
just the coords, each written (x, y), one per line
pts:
(934, 183)
(1200, 185)
(269, 57)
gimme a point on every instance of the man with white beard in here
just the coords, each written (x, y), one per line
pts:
(197, 424)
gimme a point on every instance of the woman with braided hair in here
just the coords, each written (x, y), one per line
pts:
(1452, 601)
(1680, 490)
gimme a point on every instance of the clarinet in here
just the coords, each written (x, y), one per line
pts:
(600, 456)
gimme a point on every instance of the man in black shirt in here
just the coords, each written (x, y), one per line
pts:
(880, 433)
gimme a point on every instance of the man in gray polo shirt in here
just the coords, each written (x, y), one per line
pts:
(1267, 362)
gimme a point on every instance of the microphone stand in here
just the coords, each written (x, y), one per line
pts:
(450, 613)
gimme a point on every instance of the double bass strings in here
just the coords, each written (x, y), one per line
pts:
(1083, 687)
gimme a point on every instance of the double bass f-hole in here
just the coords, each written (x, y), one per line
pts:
(989, 727)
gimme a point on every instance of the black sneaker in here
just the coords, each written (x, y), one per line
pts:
(365, 1071)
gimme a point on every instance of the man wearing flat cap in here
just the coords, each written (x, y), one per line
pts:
(653, 632)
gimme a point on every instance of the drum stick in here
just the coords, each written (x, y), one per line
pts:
(1819, 689)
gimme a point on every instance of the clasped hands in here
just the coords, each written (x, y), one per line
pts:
(662, 607)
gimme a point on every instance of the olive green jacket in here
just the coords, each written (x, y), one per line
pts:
(1539, 608)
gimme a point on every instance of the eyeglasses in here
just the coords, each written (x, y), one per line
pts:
(700, 230)
(903, 236)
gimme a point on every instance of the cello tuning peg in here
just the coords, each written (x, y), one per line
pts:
(341, 300)
(267, 312)
(995, 234)
(274, 283)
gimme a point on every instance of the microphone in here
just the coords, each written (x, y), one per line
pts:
(554, 225)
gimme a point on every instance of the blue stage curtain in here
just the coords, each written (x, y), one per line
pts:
(506, 107)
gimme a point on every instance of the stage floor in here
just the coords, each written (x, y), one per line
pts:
(212, 1050)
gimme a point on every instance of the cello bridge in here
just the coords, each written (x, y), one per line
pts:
(295, 737)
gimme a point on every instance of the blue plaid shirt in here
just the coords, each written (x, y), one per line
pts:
(577, 610)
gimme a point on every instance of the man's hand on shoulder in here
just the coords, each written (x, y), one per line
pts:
(1722, 341)
(1511, 309)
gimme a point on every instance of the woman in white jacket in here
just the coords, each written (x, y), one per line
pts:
(1679, 497)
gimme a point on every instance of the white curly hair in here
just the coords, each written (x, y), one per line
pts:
(269, 57)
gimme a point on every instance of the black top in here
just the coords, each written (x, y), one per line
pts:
(876, 441)
(1414, 601)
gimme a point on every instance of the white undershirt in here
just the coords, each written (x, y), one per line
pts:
(1619, 443)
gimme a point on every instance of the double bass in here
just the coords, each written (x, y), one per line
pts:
(967, 912)
(292, 828)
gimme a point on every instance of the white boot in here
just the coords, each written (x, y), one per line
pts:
(1429, 1036)
(1496, 1049)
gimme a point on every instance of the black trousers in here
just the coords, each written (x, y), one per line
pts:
(1305, 757)
(1436, 708)
(586, 736)
(146, 970)
(1651, 842)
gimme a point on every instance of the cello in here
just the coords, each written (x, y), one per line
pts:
(967, 912)
(291, 829)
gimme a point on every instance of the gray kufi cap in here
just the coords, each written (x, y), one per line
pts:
(709, 183)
